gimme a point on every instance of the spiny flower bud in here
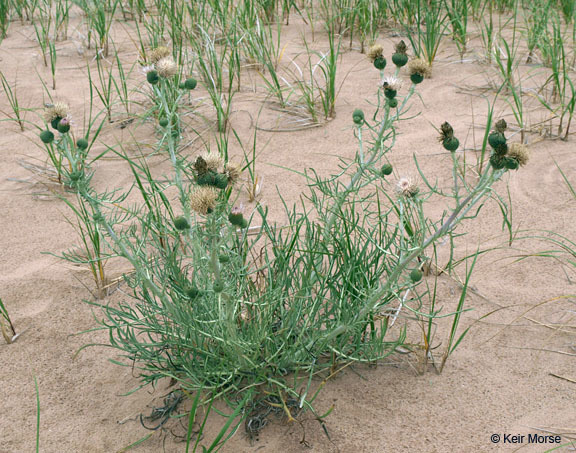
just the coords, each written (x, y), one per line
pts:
(163, 122)
(496, 139)
(418, 70)
(501, 149)
(64, 125)
(46, 136)
(190, 84)
(218, 286)
(203, 200)
(152, 77)
(193, 292)
(82, 144)
(181, 223)
(451, 144)
(416, 275)
(380, 63)
(497, 161)
(511, 163)
(386, 170)
(211, 178)
(520, 153)
(399, 58)
(392, 103)
(223, 258)
(358, 117)
(236, 217)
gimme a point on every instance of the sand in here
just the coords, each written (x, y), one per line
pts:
(506, 377)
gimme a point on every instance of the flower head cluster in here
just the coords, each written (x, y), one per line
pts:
(212, 171)
(161, 64)
(504, 155)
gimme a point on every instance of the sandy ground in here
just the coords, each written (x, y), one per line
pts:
(503, 379)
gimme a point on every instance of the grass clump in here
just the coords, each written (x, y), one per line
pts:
(6, 326)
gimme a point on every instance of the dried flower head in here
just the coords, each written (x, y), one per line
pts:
(200, 165)
(166, 67)
(446, 131)
(213, 161)
(406, 187)
(401, 48)
(391, 83)
(56, 111)
(233, 172)
(158, 54)
(419, 66)
(519, 152)
(203, 199)
(376, 51)
(500, 126)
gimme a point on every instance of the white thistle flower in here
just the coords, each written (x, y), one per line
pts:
(391, 83)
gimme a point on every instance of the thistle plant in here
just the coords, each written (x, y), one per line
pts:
(263, 313)
(68, 156)
(167, 89)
